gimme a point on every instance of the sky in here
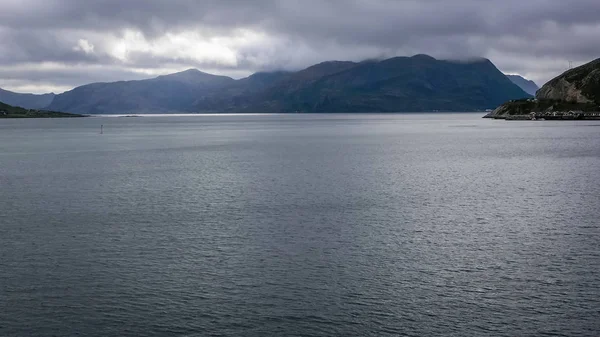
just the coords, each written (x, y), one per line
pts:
(56, 45)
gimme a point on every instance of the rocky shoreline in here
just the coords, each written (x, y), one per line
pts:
(545, 109)
(554, 117)
(574, 95)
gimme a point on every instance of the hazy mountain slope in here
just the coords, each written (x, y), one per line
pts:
(317, 71)
(254, 92)
(527, 85)
(419, 83)
(239, 94)
(27, 101)
(164, 94)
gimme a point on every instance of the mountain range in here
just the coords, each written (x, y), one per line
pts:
(163, 94)
(527, 85)
(399, 84)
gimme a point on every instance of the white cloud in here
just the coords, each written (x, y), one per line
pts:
(84, 46)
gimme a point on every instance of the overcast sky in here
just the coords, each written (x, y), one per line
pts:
(55, 45)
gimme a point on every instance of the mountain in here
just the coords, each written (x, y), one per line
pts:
(577, 89)
(9, 111)
(581, 85)
(320, 70)
(527, 85)
(235, 96)
(253, 93)
(418, 83)
(163, 94)
(27, 101)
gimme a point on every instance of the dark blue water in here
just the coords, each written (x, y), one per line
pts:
(299, 225)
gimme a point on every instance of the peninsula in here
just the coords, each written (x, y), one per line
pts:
(573, 95)
(9, 111)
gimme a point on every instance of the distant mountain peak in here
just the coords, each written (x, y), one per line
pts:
(334, 62)
(527, 85)
(162, 94)
(424, 57)
(191, 71)
(330, 63)
(471, 60)
(192, 75)
(188, 72)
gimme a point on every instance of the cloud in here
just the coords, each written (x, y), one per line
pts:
(84, 46)
(98, 40)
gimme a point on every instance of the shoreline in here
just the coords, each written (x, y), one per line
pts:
(547, 116)
(43, 116)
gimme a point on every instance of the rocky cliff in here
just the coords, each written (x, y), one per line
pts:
(581, 85)
(577, 89)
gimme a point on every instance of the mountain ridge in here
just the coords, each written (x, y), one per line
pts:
(26, 100)
(162, 94)
(528, 86)
(398, 84)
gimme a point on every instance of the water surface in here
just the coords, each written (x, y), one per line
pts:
(299, 225)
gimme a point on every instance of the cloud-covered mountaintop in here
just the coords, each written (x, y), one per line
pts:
(55, 45)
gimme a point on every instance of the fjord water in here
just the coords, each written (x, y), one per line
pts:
(299, 225)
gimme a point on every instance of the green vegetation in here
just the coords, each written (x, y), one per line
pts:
(9, 111)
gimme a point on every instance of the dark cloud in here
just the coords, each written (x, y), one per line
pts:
(536, 38)
(26, 46)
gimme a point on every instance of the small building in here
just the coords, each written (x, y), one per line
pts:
(532, 116)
